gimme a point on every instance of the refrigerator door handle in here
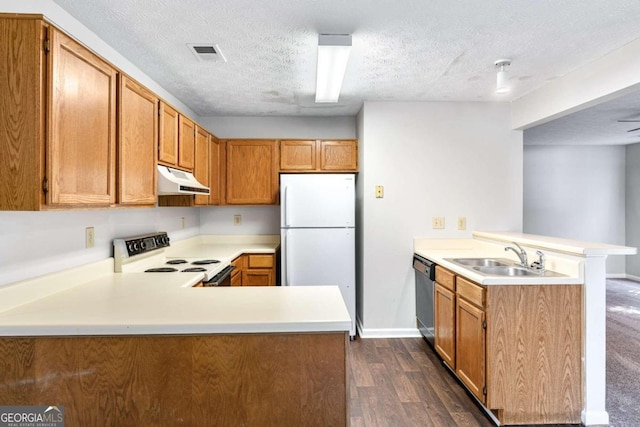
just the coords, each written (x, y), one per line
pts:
(286, 205)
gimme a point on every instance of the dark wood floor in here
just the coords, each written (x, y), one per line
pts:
(400, 382)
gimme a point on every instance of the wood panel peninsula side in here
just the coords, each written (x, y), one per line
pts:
(530, 348)
(136, 349)
(194, 380)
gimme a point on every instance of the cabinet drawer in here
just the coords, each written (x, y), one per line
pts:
(446, 278)
(260, 261)
(470, 291)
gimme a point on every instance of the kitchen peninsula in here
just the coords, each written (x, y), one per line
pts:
(147, 349)
(544, 333)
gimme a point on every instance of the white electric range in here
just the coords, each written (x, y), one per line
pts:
(146, 254)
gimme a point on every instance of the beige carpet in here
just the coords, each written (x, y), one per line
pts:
(623, 353)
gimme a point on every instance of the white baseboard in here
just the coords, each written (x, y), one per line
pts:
(595, 418)
(386, 332)
(631, 277)
(617, 276)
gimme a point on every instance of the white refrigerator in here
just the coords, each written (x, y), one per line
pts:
(317, 230)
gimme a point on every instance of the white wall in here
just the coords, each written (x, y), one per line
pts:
(576, 192)
(632, 208)
(281, 127)
(36, 243)
(255, 220)
(434, 159)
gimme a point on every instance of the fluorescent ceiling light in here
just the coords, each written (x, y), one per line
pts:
(333, 55)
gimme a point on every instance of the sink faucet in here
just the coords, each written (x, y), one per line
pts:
(522, 254)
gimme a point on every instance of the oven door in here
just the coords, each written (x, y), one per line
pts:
(221, 279)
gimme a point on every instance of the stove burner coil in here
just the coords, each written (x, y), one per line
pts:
(161, 270)
(205, 262)
(194, 270)
(177, 261)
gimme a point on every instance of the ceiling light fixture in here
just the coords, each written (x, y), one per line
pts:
(501, 78)
(333, 55)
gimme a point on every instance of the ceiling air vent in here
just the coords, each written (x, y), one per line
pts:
(207, 52)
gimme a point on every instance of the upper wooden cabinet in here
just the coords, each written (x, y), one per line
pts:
(298, 155)
(201, 166)
(338, 155)
(57, 120)
(168, 144)
(176, 147)
(217, 168)
(137, 144)
(252, 172)
(186, 143)
(82, 137)
(318, 156)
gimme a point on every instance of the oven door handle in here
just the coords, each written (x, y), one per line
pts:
(219, 278)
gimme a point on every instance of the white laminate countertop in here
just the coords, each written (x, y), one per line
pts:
(562, 256)
(441, 251)
(92, 300)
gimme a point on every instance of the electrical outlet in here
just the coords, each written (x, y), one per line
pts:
(89, 237)
(379, 191)
(237, 219)
(462, 223)
(437, 222)
(183, 222)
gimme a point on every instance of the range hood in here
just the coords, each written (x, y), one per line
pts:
(176, 182)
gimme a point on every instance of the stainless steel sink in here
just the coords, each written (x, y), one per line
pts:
(500, 267)
(482, 262)
(506, 271)
(514, 271)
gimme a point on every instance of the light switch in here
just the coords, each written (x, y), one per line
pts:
(379, 191)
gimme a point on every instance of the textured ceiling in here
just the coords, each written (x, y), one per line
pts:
(594, 126)
(411, 50)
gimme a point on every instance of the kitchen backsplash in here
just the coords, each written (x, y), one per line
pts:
(37, 243)
(254, 220)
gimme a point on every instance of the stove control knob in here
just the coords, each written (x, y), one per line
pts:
(143, 245)
(130, 248)
(136, 246)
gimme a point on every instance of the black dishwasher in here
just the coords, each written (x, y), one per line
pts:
(425, 310)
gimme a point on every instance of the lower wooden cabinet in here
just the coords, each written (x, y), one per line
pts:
(260, 270)
(254, 270)
(445, 324)
(517, 348)
(236, 274)
(470, 347)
